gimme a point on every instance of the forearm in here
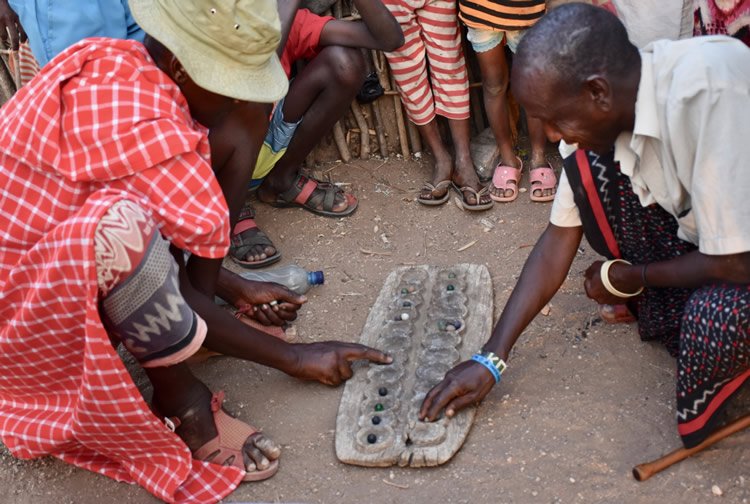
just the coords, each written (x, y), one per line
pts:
(228, 286)
(287, 10)
(544, 272)
(229, 336)
(378, 29)
(690, 270)
(381, 24)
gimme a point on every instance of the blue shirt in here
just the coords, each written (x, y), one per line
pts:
(54, 25)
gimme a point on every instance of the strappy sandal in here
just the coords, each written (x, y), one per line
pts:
(506, 178)
(542, 178)
(243, 241)
(478, 206)
(302, 194)
(443, 185)
(226, 447)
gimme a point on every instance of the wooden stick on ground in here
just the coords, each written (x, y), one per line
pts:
(340, 139)
(402, 135)
(379, 129)
(364, 131)
(642, 472)
(414, 139)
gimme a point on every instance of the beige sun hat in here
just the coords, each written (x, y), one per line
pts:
(227, 46)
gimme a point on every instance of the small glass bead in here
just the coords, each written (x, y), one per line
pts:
(404, 316)
(451, 275)
(407, 304)
(383, 391)
(376, 420)
(378, 407)
(404, 291)
(372, 438)
(450, 287)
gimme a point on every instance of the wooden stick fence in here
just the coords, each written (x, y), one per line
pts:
(382, 128)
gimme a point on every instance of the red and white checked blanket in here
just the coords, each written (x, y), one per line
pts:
(100, 123)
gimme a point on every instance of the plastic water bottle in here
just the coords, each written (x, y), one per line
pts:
(292, 277)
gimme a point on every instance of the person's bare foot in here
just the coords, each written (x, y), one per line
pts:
(197, 427)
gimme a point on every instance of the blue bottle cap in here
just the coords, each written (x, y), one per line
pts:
(315, 278)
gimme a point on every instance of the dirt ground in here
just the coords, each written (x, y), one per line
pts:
(580, 405)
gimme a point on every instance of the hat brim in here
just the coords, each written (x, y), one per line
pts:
(208, 68)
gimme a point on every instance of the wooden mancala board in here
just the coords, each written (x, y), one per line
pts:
(428, 318)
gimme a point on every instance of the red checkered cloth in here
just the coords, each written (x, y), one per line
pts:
(100, 123)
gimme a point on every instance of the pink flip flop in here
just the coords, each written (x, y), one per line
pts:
(226, 447)
(505, 178)
(542, 178)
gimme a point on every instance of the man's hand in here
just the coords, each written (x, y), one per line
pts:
(11, 31)
(595, 288)
(330, 362)
(464, 385)
(268, 303)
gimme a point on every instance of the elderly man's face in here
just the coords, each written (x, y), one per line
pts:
(578, 117)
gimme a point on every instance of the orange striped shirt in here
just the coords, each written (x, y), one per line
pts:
(510, 15)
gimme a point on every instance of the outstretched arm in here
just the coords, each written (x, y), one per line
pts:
(543, 274)
(378, 29)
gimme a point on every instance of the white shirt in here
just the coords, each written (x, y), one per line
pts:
(690, 146)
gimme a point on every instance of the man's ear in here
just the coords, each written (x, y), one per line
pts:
(599, 91)
(179, 74)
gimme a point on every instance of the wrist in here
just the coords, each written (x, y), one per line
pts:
(290, 359)
(492, 362)
(621, 278)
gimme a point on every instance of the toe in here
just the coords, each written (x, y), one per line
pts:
(267, 445)
(254, 458)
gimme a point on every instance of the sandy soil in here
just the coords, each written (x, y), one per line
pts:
(581, 404)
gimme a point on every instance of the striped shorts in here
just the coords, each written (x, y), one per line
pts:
(431, 34)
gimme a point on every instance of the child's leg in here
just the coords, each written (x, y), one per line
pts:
(409, 68)
(495, 79)
(538, 142)
(318, 97)
(450, 84)
(409, 65)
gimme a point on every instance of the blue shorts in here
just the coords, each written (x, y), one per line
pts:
(484, 40)
(278, 138)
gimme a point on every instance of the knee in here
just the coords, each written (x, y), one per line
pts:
(495, 87)
(346, 66)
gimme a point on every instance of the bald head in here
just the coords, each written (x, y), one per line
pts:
(575, 41)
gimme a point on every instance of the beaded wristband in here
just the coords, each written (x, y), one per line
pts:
(604, 274)
(492, 362)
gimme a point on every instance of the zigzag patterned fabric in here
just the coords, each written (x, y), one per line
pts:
(706, 329)
(142, 304)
